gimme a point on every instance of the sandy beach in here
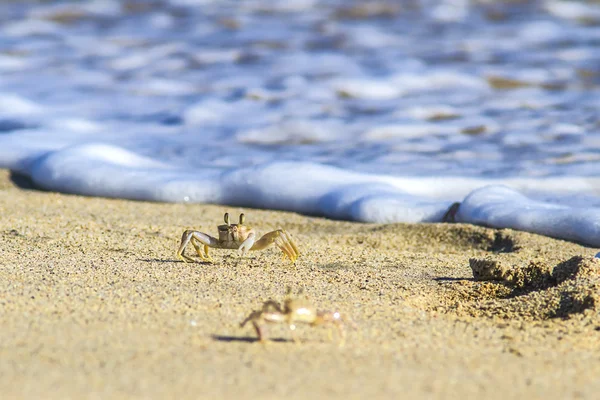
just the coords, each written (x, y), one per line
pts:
(95, 304)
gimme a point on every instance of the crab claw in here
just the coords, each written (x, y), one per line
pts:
(247, 245)
(286, 244)
(281, 239)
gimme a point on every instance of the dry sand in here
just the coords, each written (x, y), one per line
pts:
(94, 303)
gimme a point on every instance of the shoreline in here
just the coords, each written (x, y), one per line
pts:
(95, 300)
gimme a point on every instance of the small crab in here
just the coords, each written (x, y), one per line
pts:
(236, 236)
(294, 311)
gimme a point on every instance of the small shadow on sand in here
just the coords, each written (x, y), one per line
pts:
(170, 260)
(334, 265)
(160, 260)
(451, 279)
(245, 339)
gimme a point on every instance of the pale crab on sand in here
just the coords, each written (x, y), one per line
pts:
(292, 312)
(236, 236)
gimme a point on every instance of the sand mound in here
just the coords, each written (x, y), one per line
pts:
(532, 291)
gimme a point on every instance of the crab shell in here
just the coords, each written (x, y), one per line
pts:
(300, 310)
(233, 233)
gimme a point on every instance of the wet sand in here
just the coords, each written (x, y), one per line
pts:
(94, 303)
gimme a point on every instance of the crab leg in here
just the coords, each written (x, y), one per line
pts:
(260, 332)
(271, 306)
(203, 256)
(196, 238)
(254, 318)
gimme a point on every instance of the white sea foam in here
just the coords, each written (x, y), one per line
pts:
(502, 207)
(364, 114)
(30, 27)
(574, 10)
(110, 171)
(13, 105)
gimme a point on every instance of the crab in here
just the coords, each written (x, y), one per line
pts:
(236, 236)
(292, 312)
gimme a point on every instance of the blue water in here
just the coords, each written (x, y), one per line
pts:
(369, 111)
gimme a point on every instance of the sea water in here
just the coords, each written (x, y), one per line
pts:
(376, 111)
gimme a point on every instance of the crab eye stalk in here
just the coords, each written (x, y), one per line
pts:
(226, 217)
(242, 218)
